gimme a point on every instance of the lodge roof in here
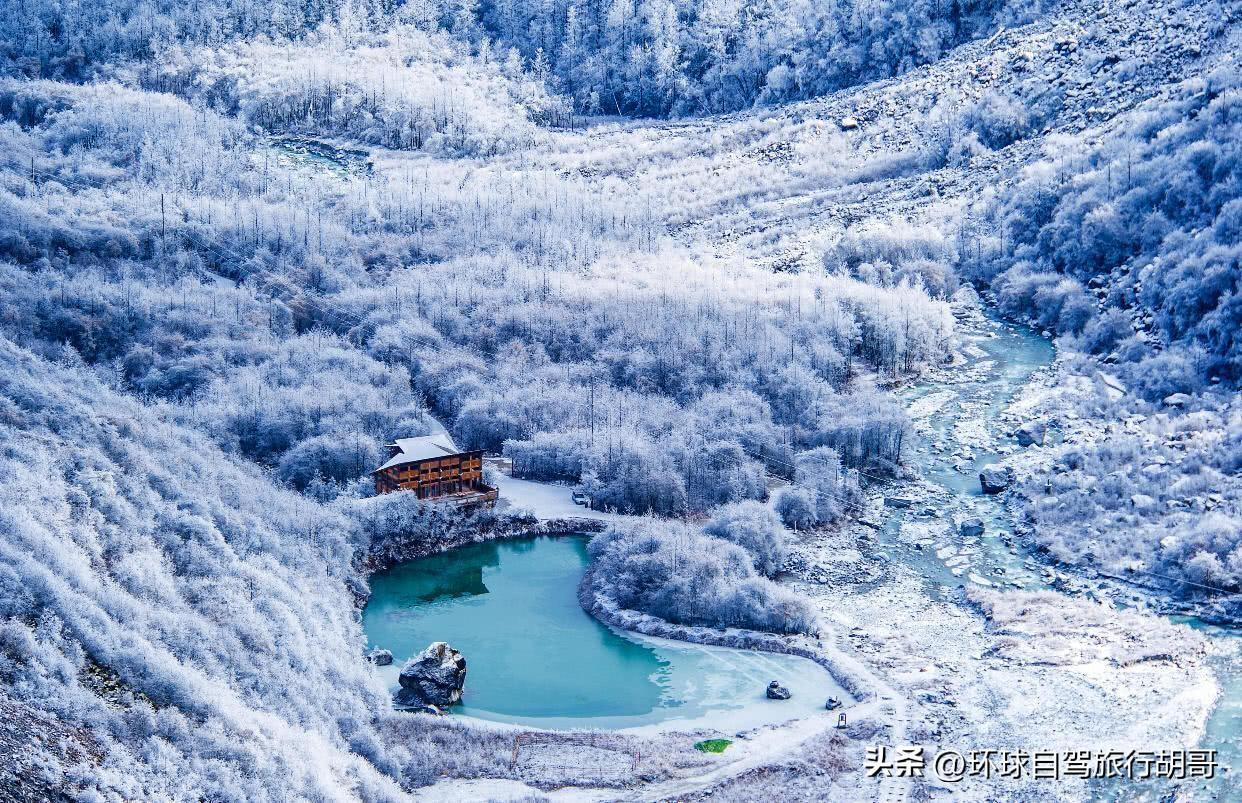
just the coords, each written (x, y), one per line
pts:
(427, 447)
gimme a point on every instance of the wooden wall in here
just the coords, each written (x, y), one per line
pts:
(437, 476)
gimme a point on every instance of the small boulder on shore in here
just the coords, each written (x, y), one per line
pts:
(971, 527)
(379, 657)
(436, 676)
(994, 479)
(778, 692)
(1031, 433)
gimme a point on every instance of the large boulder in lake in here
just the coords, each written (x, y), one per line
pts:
(436, 676)
(778, 692)
(995, 479)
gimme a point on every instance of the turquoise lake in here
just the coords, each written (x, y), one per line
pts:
(534, 657)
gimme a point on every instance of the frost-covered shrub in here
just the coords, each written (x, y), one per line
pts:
(610, 468)
(819, 472)
(550, 455)
(682, 575)
(720, 472)
(795, 507)
(339, 458)
(1133, 349)
(893, 253)
(182, 378)
(757, 529)
(1161, 375)
(1102, 333)
(642, 479)
(737, 415)
(1075, 313)
(1052, 300)
(999, 119)
(394, 526)
(865, 429)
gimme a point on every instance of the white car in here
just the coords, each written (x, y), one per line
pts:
(579, 498)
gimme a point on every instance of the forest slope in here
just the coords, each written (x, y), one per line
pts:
(173, 601)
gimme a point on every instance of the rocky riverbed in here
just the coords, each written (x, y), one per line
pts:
(965, 623)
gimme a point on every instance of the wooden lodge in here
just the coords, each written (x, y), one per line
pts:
(434, 469)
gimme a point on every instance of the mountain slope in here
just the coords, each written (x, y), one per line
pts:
(194, 617)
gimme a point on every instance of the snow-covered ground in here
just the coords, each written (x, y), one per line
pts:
(546, 500)
(494, 790)
(974, 685)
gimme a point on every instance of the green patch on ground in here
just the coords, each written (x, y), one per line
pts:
(712, 745)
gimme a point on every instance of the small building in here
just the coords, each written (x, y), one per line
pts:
(435, 469)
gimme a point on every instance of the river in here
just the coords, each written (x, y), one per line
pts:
(958, 431)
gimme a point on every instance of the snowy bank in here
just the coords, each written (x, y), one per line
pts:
(842, 667)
